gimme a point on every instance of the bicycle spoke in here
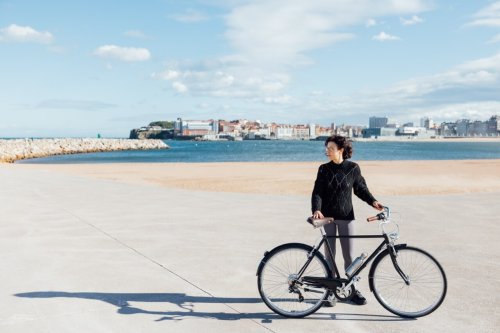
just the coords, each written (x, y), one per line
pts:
(425, 290)
(277, 286)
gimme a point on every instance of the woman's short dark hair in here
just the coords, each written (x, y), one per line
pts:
(341, 142)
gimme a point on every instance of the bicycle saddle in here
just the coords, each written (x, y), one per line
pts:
(318, 223)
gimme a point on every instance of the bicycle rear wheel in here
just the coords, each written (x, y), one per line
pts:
(427, 283)
(283, 290)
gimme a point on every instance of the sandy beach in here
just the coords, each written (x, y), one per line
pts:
(174, 247)
(291, 178)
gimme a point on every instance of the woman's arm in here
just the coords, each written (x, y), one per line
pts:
(361, 189)
(317, 193)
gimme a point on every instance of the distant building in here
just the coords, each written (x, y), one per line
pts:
(409, 131)
(477, 128)
(421, 132)
(264, 132)
(448, 129)
(255, 131)
(427, 123)
(462, 127)
(230, 128)
(312, 131)
(493, 125)
(379, 126)
(388, 131)
(378, 122)
(323, 131)
(284, 132)
(301, 132)
(370, 132)
(196, 127)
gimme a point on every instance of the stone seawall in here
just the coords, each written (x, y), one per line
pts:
(18, 149)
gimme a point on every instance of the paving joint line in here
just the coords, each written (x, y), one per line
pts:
(160, 265)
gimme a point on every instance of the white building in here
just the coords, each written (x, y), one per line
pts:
(312, 131)
(421, 132)
(196, 127)
(284, 132)
(427, 123)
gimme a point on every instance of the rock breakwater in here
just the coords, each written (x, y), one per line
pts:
(18, 149)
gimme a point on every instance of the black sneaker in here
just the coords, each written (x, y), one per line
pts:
(358, 298)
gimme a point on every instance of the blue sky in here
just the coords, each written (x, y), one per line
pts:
(78, 68)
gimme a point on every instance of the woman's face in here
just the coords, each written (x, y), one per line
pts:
(333, 153)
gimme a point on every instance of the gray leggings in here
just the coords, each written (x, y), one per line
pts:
(345, 227)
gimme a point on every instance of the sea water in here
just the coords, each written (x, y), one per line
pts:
(285, 151)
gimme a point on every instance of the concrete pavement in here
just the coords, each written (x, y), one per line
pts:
(86, 255)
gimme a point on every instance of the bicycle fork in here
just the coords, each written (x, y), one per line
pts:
(394, 255)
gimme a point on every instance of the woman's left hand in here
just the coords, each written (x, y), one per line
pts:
(378, 205)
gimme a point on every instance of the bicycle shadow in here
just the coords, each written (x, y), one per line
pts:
(186, 304)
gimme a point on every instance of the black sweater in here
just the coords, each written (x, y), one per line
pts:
(332, 193)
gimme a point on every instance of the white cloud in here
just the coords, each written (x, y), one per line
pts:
(473, 80)
(17, 33)
(166, 75)
(469, 90)
(283, 31)
(271, 37)
(225, 79)
(136, 34)
(411, 21)
(190, 16)
(283, 99)
(384, 37)
(123, 53)
(488, 16)
(179, 87)
(494, 39)
(370, 23)
(453, 112)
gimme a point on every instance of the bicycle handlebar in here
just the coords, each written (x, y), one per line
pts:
(380, 216)
(377, 217)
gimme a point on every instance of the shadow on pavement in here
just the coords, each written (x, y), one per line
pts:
(186, 304)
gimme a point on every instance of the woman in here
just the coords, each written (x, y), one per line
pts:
(332, 197)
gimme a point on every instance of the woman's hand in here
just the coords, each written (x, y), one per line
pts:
(377, 205)
(318, 215)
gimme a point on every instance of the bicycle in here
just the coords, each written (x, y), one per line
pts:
(295, 280)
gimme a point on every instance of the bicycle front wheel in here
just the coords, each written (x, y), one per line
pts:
(426, 287)
(281, 287)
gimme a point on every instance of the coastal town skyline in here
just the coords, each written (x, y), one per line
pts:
(211, 129)
(85, 67)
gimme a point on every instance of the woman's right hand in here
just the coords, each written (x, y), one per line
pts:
(318, 215)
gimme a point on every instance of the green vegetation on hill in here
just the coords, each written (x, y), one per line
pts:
(163, 124)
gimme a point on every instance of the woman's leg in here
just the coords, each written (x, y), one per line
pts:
(346, 228)
(330, 230)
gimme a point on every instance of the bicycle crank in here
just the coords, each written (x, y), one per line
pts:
(344, 294)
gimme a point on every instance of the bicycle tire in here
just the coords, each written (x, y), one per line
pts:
(427, 288)
(278, 268)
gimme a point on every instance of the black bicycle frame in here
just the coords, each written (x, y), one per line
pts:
(385, 242)
(365, 262)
